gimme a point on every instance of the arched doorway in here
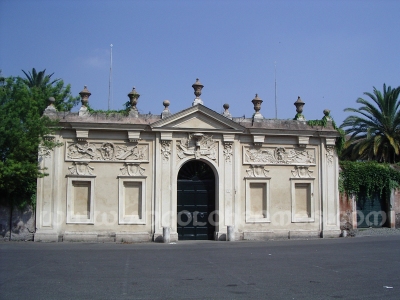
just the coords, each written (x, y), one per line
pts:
(196, 215)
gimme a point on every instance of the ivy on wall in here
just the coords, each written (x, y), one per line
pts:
(367, 177)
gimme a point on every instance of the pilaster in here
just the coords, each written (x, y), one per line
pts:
(228, 164)
(46, 209)
(330, 192)
(164, 161)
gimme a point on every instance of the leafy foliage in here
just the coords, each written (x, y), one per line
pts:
(22, 130)
(314, 123)
(123, 112)
(299, 116)
(340, 141)
(374, 131)
(367, 177)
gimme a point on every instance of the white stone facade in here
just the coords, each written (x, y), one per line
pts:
(116, 177)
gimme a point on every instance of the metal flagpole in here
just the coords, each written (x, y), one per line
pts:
(276, 106)
(110, 79)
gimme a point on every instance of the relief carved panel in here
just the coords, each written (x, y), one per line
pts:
(107, 152)
(278, 155)
(198, 145)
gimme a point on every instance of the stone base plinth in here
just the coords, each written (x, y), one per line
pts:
(331, 233)
(49, 237)
(132, 237)
(303, 234)
(258, 235)
(77, 236)
(107, 237)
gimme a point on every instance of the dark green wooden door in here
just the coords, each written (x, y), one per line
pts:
(196, 202)
(371, 211)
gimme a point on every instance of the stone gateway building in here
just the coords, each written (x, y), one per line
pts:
(195, 174)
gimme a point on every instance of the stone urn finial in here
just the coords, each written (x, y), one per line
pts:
(133, 98)
(50, 106)
(197, 86)
(51, 101)
(85, 94)
(299, 105)
(299, 109)
(257, 107)
(327, 115)
(166, 104)
(166, 113)
(226, 112)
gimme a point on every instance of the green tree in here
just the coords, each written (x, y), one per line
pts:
(22, 129)
(374, 133)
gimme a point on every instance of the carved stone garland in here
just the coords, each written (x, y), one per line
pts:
(44, 152)
(330, 151)
(132, 169)
(302, 172)
(257, 171)
(228, 153)
(81, 168)
(166, 150)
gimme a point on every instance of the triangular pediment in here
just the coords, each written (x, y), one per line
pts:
(197, 117)
(198, 121)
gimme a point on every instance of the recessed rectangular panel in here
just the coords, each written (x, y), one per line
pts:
(133, 196)
(257, 199)
(132, 200)
(81, 198)
(303, 200)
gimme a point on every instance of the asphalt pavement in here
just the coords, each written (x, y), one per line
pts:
(342, 268)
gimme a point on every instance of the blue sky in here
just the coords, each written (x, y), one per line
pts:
(327, 52)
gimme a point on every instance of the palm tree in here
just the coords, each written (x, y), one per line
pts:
(35, 79)
(375, 135)
(2, 78)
